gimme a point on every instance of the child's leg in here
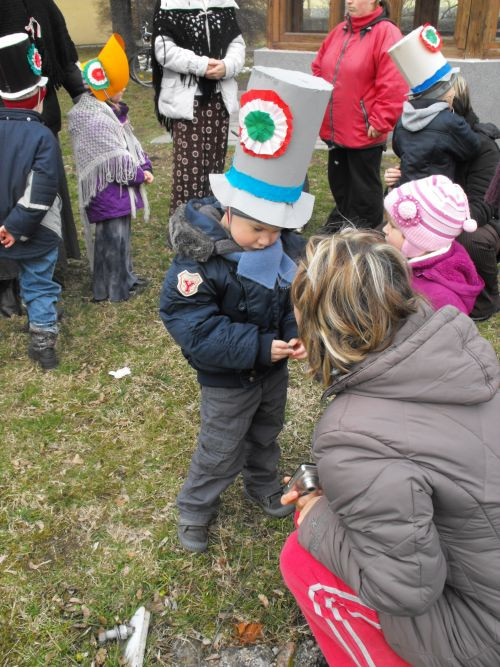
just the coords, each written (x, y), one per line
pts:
(260, 472)
(39, 291)
(226, 416)
(111, 260)
(347, 631)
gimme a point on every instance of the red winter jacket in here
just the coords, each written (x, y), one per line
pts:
(368, 88)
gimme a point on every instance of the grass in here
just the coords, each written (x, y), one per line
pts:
(90, 467)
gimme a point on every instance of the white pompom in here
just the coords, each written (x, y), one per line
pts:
(407, 209)
(470, 225)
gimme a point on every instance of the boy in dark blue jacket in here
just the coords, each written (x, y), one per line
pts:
(30, 218)
(429, 138)
(226, 301)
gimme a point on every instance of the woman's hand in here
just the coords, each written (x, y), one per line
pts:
(303, 504)
(297, 349)
(373, 133)
(216, 69)
(392, 176)
(148, 177)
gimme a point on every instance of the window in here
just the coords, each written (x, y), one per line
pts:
(309, 15)
(440, 13)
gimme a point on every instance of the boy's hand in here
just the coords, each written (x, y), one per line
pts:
(148, 177)
(302, 503)
(297, 349)
(6, 238)
(392, 176)
(279, 350)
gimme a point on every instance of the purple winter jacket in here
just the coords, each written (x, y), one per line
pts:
(448, 280)
(114, 200)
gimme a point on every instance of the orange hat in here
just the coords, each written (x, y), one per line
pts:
(108, 74)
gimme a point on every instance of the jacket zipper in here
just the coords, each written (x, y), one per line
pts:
(363, 109)
(334, 79)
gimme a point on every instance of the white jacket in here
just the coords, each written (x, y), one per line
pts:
(176, 97)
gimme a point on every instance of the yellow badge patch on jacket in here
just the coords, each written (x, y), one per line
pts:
(188, 283)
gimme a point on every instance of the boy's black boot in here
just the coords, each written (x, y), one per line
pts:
(42, 349)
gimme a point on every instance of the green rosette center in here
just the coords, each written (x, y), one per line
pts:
(260, 126)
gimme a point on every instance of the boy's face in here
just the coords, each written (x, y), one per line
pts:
(250, 234)
(393, 234)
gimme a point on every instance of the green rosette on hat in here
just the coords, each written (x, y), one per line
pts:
(279, 120)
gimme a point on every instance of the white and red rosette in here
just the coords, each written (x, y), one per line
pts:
(35, 60)
(431, 38)
(95, 75)
(266, 124)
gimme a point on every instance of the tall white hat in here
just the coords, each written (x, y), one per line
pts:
(279, 120)
(419, 59)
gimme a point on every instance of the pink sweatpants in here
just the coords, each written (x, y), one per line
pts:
(346, 629)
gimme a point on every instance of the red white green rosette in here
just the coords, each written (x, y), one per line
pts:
(266, 124)
(94, 75)
(431, 38)
(35, 60)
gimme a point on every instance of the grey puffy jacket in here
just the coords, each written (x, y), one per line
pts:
(409, 460)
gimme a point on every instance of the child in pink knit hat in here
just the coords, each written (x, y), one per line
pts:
(424, 218)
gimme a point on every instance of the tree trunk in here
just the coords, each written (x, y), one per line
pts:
(121, 20)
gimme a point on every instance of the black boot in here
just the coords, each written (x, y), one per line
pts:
(42, 349)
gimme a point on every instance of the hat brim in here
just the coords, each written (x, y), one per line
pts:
(24, 93)
(277, 214)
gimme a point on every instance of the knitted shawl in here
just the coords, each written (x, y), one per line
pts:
(105, 151)
(54, 43)
(206, 32)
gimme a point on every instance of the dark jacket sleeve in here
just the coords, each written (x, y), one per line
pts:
(209, 339)
(40, 191)
(374, 527)
(462, 142)
(73, 82)
(475, 176)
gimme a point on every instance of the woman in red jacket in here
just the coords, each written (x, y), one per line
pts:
(367, 98)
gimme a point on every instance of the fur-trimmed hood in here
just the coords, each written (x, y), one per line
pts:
(194, 230)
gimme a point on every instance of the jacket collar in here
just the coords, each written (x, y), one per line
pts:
(365, 23)
(20, 114)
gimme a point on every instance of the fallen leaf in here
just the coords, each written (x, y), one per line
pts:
(138, 594)
(85, 612)
(248, 633)
(126, 571)
(100, 656)
(76, 460)
(263, 599)
(32, 566)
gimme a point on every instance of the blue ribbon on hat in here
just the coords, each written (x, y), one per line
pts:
(262, 189)
(435, 78)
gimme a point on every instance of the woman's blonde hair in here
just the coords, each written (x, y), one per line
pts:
(351, 291)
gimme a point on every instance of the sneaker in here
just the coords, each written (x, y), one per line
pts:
(271, 504)
(193, 538)
(139, 287)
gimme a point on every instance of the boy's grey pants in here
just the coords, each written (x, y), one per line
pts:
(238, 433)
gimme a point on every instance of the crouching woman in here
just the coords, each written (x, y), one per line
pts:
(397, 561)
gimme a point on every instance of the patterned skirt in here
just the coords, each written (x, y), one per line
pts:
(200, 147)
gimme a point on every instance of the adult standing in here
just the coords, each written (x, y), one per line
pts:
(45, 23)
(367, 98)
(398, 562)
(198, 51)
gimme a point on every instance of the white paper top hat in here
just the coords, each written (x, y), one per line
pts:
(419, 59)
(279, 120)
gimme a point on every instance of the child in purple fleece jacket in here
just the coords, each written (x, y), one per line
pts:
(424, 218)
(112, 171)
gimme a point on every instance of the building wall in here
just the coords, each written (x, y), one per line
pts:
(84, 21)
(481, 75)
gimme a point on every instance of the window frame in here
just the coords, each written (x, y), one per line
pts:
(474, 36)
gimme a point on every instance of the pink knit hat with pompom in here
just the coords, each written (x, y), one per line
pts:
(430, 213)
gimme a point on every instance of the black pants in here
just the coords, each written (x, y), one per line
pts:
(354, 179)
(483, 246)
